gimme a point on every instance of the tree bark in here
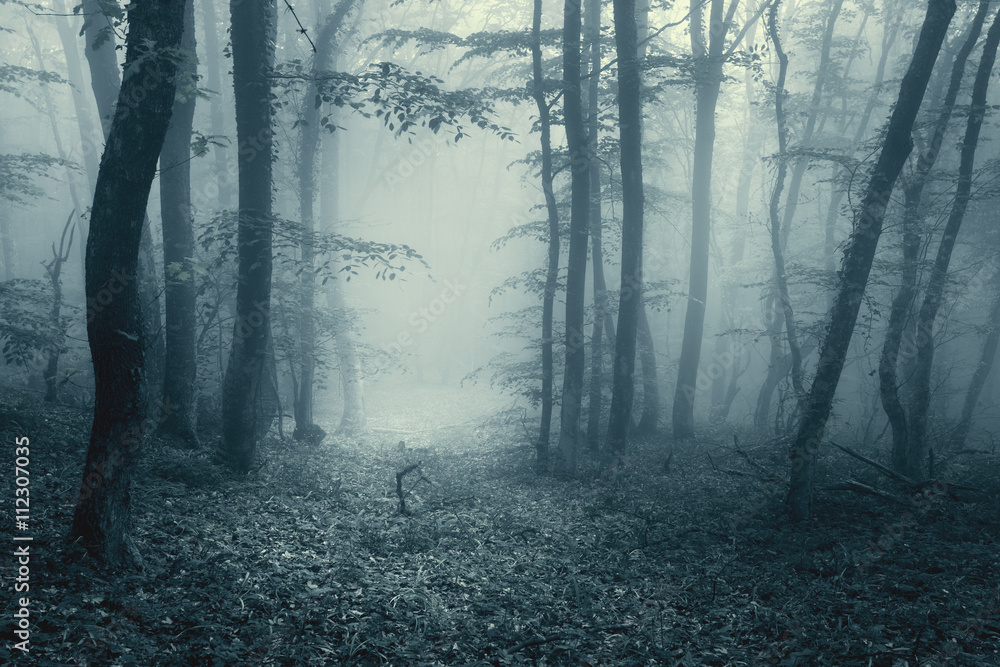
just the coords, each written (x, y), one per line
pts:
(900, 312)
(858, 256)
(630, 306)
(105, 80)
(102, 518)
(576, 275)
(917, 447)
(180, 362)
(552, 271)
(247, 384)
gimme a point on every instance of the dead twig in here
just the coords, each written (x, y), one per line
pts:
(858, 487)
(888, 472)
(399, 484)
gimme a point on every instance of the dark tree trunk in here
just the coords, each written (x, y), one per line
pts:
(982, 372)
(105, 79)
(917, 446)
(102, 518)
(180, 363)
(630, 307)
(858, 256)
(576, 276)
(592, 28)
(246, 389)
(900, 313)
(552, 271)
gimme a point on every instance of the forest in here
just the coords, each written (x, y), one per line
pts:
(441, 332)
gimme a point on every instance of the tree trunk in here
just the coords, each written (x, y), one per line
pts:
(917, 446)
(105, 79)
(102, 518)
(780, 279)
(54, 269)
(180, 362)
(576, 276)
(708, 64)
(310, 142)
(213, 79)
(552, 271)
(900, 312)
(982, 372)
(630, 306)
(11, 266)
(245, 414)
(822, 72)
(67, 30)
(649, 420)
(592, 29)
(858, 256)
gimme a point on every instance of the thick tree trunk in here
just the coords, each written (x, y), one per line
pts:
(630, 306)
(180, 362)
(858, 256)
(917, 446)
(983, 368)
(552, 271)
(576, 275)
(247, 384)
(900, 313)
(102, 518)
(105, 79)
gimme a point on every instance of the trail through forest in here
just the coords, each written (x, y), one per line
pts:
(309, 561)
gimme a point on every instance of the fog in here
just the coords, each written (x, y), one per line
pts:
(797, 242)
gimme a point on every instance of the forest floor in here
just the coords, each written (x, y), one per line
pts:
(309, 561)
